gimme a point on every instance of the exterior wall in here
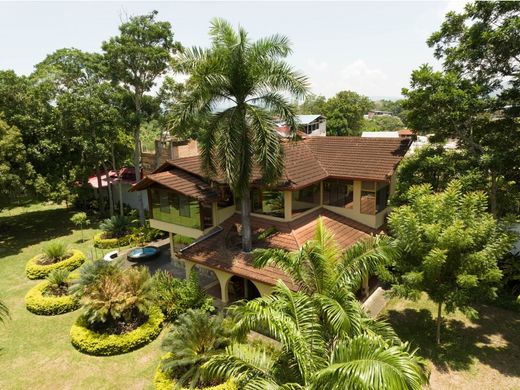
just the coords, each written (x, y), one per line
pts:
(129, 198)
(223, 214)
(322, 129)
(189, 150)
(176, 229)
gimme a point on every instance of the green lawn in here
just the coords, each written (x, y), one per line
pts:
(35, 351)
(479, 354)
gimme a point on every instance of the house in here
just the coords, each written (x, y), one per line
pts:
(345, 180)
(308, 125)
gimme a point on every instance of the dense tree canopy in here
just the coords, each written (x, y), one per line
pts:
(449, 248)
(382, 123)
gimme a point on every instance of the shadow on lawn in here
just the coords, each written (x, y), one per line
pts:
(493, 339)
(22, 230)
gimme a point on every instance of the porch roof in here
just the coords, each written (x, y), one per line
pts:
(223, 250)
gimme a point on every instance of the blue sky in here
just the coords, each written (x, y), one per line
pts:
(369, 47)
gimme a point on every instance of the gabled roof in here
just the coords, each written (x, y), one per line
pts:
(305, 119)
(307, 161)
(179, 181)
(218, 251)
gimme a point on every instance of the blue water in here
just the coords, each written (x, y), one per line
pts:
(142, 252)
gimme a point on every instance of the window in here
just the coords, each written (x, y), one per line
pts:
(175, 208)
(268, 203)
(338, 193)
(184, 206)
(306, 198)
(164, 202)
(374, 197)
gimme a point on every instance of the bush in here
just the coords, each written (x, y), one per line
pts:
(143, 234)
(54, 251)
(34, 270)
(175, 296)
(38, 303)
(100, 241)
(116, 226)
(162, 381)
(93, 343)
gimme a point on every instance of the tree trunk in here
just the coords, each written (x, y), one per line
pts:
(120, 182)
(493, 194)
(100, 195)
(109, 187)
(137, 156)
(246, 221)
(439, 323)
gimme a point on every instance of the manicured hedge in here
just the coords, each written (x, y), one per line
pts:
(161, 381)
(33, 270)
(92, 343)
(48, 305)
(108, 243)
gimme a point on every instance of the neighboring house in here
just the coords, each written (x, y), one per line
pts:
(345, 180)
(374, 113)
(308, 125)
(120, 188)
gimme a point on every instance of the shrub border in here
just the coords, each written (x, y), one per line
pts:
(109, 243)
(40, 304)
(161, 381)
(33, 270)
(93, 343)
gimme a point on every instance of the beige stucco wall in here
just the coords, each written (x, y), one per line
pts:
(176, 229)
(223, 213)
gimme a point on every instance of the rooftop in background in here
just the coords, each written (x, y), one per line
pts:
(223, 250)
(306, 119)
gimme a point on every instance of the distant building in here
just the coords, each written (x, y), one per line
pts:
(312, 124)
(374, 113)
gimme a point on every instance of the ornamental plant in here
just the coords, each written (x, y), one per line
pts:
(80, 219)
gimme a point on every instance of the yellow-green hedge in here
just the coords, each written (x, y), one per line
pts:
(108, 243)
(90, 342)
(33, 270)
(38, 303)
(161, 381)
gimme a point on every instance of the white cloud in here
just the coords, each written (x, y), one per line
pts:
(453, 5)
(360, 70)
(317, 65)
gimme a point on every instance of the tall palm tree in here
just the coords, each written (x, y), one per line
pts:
(251, 81)
(310, 356)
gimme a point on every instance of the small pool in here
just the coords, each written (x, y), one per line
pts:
(147, 252)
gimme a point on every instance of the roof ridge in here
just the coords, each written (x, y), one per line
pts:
(315, 156)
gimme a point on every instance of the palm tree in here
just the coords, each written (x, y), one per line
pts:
(195, 338)
(311, 356)
(250, 79)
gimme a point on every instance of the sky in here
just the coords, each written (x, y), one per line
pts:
(370, 47)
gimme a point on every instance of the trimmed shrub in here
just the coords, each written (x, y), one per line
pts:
(93, 343)
(48, 305)
(108, 243)
(162, 381)
(34, 270)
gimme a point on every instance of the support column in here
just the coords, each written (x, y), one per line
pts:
(223, 279)
(170, 235)
(188, 266)
(364, 286)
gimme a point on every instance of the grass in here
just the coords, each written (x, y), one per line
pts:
(483, 353)
(35, 351)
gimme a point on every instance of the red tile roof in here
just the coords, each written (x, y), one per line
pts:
(315, 158)
(221, 252)
(179, 181)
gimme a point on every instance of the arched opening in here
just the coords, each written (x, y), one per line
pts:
(208, 281)
(241, 288)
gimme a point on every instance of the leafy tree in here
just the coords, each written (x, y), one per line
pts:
(80, 219)
(196, 337)
(310, 357)
(249, 79)
(313, 104)
(16, 173)
(382, 123)
(345, 112)
(450, 247)
(136, 58)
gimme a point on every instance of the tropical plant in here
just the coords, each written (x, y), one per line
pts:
(196, 337)
(80, 219)
(143, 234)
(91, 272)
(311, 357)
(450, 247)
(58, 281)
(116, 226)
(250, 80)
(124, 295)
(54, 251)
(175, 296)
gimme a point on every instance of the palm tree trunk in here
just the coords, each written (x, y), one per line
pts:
(119, 182)
(246, 221)
(109, 187)
(137, 155)
(101, 203)
(439, 323)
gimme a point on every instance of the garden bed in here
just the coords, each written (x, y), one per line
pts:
(162, 381)
(107, 243)
(38, 302)
(94, 343)
(35, 270)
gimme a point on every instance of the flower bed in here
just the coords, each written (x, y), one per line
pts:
(34, 270)
(108, 243)
(161, 381)
(93, 343)
(48, 305)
